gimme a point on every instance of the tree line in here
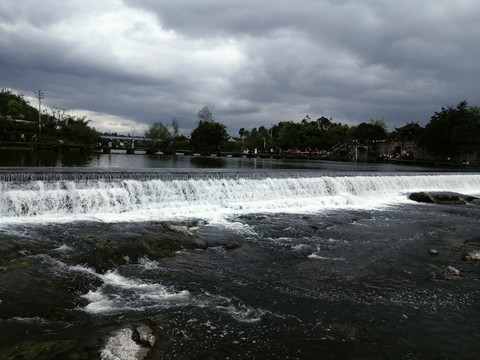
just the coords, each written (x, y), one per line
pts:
(452, 131)
(19, 120)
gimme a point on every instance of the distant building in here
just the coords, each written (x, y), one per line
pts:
(407, 132)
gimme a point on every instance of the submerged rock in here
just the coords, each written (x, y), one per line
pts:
(121, 244)
(450, 198)
(29, 350)
(349, 331)
(473, 255)
(451, 271)
(230, 245)
(179, 228)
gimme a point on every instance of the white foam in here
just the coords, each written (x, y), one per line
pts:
(317, 256)
(64, 248)
(121, 346)
(119, 293)
(234, 308)
(215, 200)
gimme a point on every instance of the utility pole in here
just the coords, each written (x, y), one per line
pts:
(40, 97)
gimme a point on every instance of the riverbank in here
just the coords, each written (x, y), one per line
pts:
(34, 152)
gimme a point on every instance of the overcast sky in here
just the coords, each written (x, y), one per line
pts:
(126, 64)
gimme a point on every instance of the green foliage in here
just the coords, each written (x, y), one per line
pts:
(370, 132)
(453, 131)
(76, 130)
(209, 136)
(379, 122)
(175, 127)
(14, 109)
(320, 134)
(160, 134)
(256, 139)
(18, 107)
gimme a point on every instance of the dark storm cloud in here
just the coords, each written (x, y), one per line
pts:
(252, 62)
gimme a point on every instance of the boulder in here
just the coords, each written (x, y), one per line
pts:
(451, 271)
(179, 228)
(128, 344)
(473, 255)
(450, 198)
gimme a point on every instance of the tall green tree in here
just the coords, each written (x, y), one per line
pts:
(453, 131)
(159, 133)
(175, 127)
(209, 135)
(370, 132)
(204, 114)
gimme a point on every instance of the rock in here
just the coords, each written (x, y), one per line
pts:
(421, 197)
(450, 270)
(474, 201)
(32, 349)
(433, 252)
(432, 275)
(450, 198)
(145, 335)
(179, 228)
(232, 245)
(199, 244)
(473, 255)
(120, 345)
(123, 244)
(350, 331)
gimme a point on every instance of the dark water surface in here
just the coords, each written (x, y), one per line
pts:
(244, 259)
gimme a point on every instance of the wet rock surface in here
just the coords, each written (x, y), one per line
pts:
(133, 343)
(450, 198)
(473, 255)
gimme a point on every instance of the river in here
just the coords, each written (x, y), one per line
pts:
(233, 258)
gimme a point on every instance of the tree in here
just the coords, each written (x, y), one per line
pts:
(379, 122)
(159, 133)
(369, 132)
(76, 129)
(204, 114)
(209, 135)
(324, 123)
(453, 131)
(175, 127)
(14, 108)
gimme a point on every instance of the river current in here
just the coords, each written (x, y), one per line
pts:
(233, 259)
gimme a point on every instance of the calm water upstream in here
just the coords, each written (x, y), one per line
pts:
(133, 256)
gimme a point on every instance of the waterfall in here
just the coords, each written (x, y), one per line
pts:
(141, 196)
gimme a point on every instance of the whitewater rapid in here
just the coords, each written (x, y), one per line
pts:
(213, 198)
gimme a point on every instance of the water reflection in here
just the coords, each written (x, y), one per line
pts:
(10, 158)
(208, 162)
(43, 158)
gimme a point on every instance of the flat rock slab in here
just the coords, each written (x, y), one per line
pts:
(450, 198)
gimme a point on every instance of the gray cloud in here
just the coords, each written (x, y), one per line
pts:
(128, 64)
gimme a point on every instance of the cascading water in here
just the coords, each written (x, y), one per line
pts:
(203, 195)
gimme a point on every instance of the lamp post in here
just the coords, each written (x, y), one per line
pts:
(40, 97)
